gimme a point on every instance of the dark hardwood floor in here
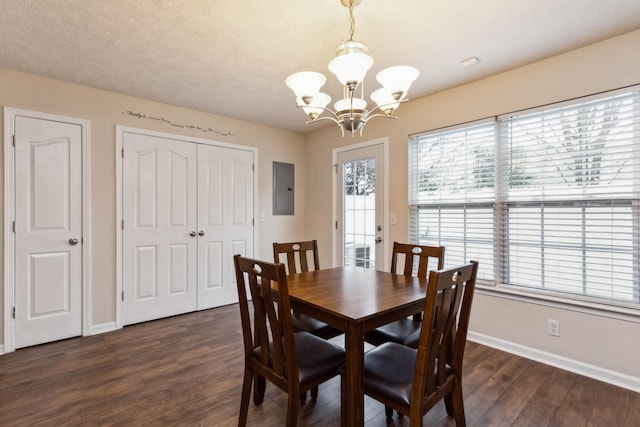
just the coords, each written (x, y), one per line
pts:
(187, 371)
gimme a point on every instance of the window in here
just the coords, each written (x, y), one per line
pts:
(546, 199)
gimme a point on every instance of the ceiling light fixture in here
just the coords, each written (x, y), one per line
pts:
(472, 60)
(350, 65)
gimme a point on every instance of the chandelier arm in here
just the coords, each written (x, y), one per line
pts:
(335, 117)
(317, 119)
(380, 107)
(386, 116)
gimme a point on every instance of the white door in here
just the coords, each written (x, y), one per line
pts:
(360, 207)
(160, 237)
(48, 230)
(225, 220)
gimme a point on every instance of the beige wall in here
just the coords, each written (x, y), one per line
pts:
(599, 67)
(105, 110)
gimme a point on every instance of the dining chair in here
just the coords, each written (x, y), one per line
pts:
(405, 331)
(297, 261)
(412, 381)
(293, 361)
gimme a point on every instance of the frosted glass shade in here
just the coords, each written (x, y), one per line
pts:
(384, 99)
(351, 66)
(345, 104)
(397, 79)
(306, 83)
(317, 104)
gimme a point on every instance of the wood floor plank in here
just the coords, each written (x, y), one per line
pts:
(478, 402)
(477, 371)
(610, 407)
(187, 371)
(542, 407)
(578, 404)
(507, 409)
(632, 417)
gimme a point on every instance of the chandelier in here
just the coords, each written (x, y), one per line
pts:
(350, 65)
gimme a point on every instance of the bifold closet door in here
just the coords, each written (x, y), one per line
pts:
(160, 227)
(225, 220)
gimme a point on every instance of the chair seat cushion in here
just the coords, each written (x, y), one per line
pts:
(317, 357)
(400, 331)
(388, 371)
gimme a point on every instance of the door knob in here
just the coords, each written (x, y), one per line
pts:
(378, 239)
(193, 234)
(201, 233)
(73, 241)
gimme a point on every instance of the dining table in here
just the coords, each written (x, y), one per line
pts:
(355, 300)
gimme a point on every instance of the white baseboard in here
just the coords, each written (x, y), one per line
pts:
(1, 349)
(591, 371)
(102, 328)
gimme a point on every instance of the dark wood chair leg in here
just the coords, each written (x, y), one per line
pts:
(258, 392)
(448, 403)
(388, 411)
(303, 397)
(244, 400)
(292, 410)
(314, 393)
(454, 403)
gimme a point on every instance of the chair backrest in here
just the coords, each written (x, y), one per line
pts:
(444, 329)
(297, 255)
(422, 253)
(271, 330)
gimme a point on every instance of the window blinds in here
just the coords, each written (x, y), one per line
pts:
(571, 181)
(546, 199)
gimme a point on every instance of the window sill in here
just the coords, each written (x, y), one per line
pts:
(628, 313)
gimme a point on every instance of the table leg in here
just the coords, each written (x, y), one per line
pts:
(352, 412)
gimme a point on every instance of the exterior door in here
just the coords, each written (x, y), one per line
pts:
(360, 206)
(160, 236)
(48, 230)
(225, 220)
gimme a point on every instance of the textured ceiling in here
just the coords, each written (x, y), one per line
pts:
(231, 57)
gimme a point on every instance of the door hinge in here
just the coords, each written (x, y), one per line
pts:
(335, 168)
(14, 140)
(14, 226)
(336, 225)
(253, 167)
(14, 312)
(122, 225)
(122, 296)
(122, 153)
(253, 221)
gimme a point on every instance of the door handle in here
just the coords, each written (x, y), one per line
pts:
(378, 239)
(193, 234)
(201, 233)
(73, 241)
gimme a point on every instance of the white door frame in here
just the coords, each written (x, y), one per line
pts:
(385, 201)
(120, 131)
(9, 216)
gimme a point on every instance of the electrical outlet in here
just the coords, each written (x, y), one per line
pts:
(553, 327)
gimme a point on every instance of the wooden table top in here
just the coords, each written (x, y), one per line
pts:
(356, 294)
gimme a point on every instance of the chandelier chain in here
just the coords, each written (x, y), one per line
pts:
(352, 21)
